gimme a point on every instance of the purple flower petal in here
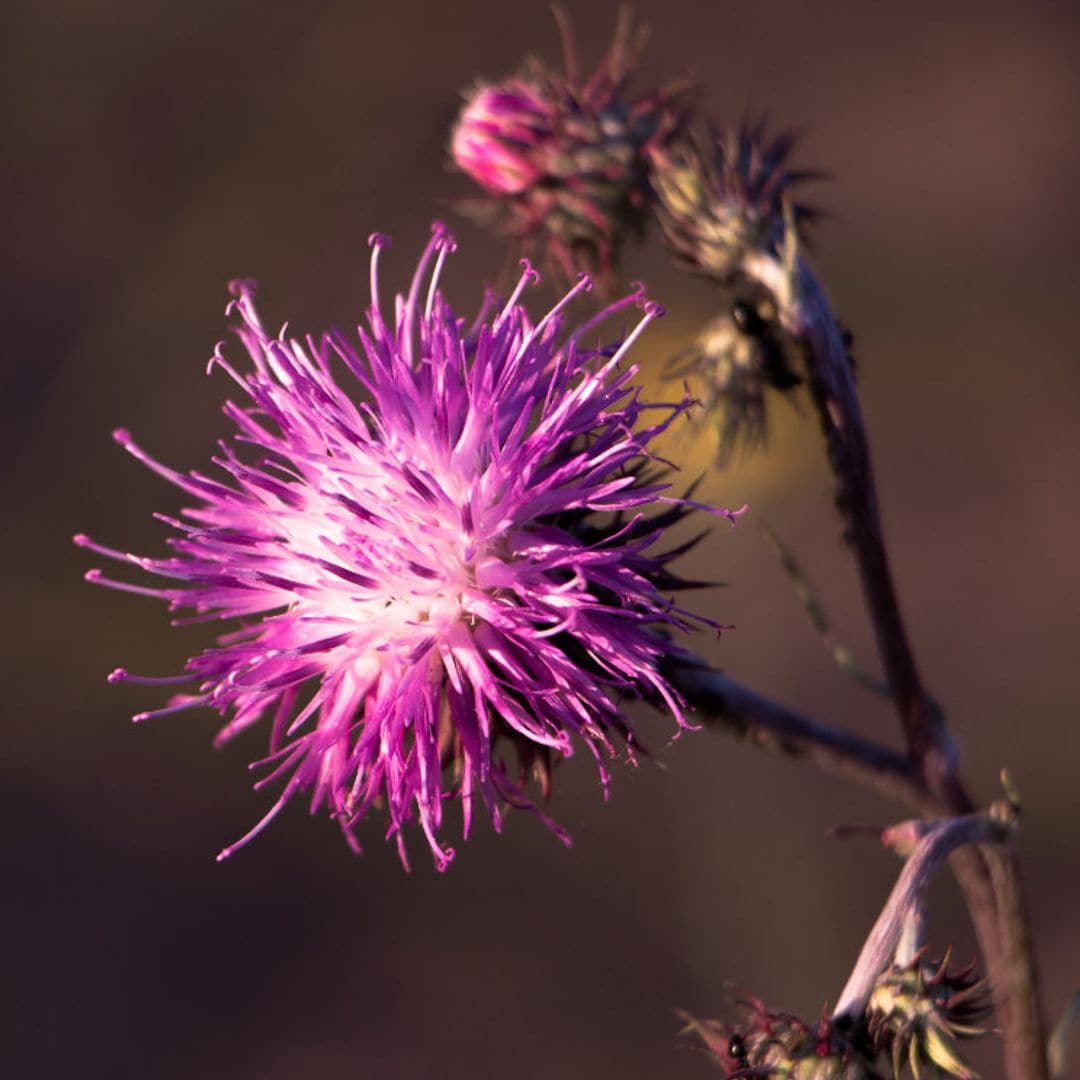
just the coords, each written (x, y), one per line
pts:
(426, 567)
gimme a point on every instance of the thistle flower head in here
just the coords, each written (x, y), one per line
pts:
(918, 1011)
(449, 566)
(721, 197)
(564, 160)
(764, 1043)
(735, 359)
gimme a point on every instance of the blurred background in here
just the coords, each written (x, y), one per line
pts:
(159, 149)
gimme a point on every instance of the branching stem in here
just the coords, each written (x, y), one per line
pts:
(720, 701)
(990, 878)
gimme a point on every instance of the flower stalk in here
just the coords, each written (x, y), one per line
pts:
(928, 844)
(990, 879)
(727, 213)
(722, 702)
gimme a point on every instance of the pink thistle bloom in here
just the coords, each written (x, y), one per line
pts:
(495, 125)
(563, 159)
(450, 563)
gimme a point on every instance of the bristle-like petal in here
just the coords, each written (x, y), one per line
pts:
(439, 570)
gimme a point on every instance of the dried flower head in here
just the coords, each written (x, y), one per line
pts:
(918, 1011)
(720, 198)
(764, 1043)
(446, 568)
(735, 359)
(564, 160)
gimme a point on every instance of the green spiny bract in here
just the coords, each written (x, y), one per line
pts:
(919, 1011)
(721, 198)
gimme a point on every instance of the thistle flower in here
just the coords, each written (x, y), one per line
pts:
(453, 567)
(765, 1043)
(563, 160)
(718, 202)
(918, 1011)
(736, 357)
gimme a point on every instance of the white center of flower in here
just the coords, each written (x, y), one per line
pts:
(407, 571)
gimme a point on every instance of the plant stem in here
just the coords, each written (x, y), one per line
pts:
(719, 700)
(1021, 1007)
(805, 313)
(990, 881)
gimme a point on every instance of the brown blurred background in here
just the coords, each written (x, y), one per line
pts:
(159, 149)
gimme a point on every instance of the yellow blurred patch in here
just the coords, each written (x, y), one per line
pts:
(791, 453)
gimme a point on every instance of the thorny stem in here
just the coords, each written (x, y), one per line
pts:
(990, 880)
(805, 313)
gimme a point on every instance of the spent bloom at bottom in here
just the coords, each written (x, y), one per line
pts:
(767, 1043)
(437, 562)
